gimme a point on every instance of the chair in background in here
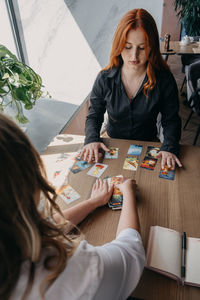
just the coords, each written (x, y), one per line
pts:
(193, 93)
(188, 59)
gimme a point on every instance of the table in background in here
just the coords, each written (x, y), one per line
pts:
(177, 48)
(173, 204)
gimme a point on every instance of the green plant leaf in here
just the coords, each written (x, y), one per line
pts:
(2, 91)
(22, 83)
(4, 51)
(21, 118)
(28, 105)
(22, 94)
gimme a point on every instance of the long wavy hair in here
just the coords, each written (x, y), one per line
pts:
(138, 18)
(24, 232)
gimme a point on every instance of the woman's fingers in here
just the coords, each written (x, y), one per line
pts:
(104, 147)
(96, 155)
(178, 162)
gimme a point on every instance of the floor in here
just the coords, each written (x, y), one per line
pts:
(47, 118)
(78, 123)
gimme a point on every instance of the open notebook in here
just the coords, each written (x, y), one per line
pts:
(164, 254)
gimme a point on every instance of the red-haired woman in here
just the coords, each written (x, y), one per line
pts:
(134, 88)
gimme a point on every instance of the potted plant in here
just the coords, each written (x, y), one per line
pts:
(19, 84)
(189, 14)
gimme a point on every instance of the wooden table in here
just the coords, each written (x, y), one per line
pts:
(173, 204)
(177, 48)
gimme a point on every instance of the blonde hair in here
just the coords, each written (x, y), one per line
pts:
(138, 18)
(24, 231)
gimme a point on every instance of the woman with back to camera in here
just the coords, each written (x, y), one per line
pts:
(134, 87)
(38, 258)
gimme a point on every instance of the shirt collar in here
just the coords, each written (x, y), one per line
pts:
(116, 74)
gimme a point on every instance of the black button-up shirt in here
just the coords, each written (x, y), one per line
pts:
(135, 119)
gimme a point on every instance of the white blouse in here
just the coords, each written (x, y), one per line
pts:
(107, 272)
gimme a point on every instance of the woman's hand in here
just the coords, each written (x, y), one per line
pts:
(127, 185)
(168, 158)
(100, 195)
(90, 151)
(101, 192)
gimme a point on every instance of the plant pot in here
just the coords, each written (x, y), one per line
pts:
(14, 110)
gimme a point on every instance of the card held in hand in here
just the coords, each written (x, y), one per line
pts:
(116, 199)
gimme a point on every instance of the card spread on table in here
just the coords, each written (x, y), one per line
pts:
(148, 163)
(67, 193)
(77, 157)
(60, 176)
(56, 173)
(60, 168)
(167, 173)
(131, 163)
(116, 199)
(97, 170)
(112, 154)
(79, 165)
(152, 151)
(135, 150)
(62, 157)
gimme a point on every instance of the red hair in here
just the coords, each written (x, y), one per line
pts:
(138, 18)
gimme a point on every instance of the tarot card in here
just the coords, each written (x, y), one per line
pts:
(152, 151)
(167, 173)
(113, 153)
(97, 170)
(59, 177)
(116, 200)
(56, 173)
(79, 165)
(77, 157)
(131, 163)
(148, 163)
(135, 150)
(115, 205)
(62, 157)
(67, 193)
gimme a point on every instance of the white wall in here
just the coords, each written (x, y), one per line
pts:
(68, 41)
(98, 19)
(6, 35)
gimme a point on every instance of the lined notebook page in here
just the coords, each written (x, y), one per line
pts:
(193, 261)
(166, 250)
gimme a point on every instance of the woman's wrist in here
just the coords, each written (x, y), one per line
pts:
(129, 194)
(93, 203)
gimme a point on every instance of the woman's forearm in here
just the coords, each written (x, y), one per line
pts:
(77, 213)
(129, 215)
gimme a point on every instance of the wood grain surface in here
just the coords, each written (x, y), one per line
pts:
(173, 204)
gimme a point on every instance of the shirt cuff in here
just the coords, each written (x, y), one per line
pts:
(130, 231)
